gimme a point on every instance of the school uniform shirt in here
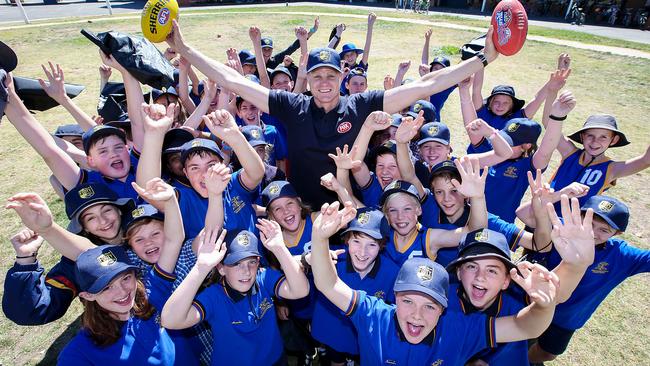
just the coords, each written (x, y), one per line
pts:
(498, 122)
(312, 134)
(508, 302)
(245, 328)
(237, 204)
(123, 189)
(142, 342)
(416, 245)
(371, 192)
(438, 100)
(272, 138)
(453, 341)
(329, 325)
(615, 261)
(573, 168)
(302, 308)
(280, 149)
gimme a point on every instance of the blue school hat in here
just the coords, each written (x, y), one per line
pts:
(397, 120)
(399, 186)
(254, 135)
(99, 132)
(323, 57)
(434, 131)
(266, 42)
(174, 140)
(277, 189)
(483, 243)
(604, 121)
(425, 276)
(89, 194)
(369, 221)
(423, 105)
(199, 144)
(123, 122)
(97, 267)
(246, 57)
(508, 90)
(440, 60)
(157, 93)
(389, 146)
(144, 211)
(241, 245)
(350, 47)
(280, 70)
(69, 130)
(520, 131)
(610, 209)
(357, 71)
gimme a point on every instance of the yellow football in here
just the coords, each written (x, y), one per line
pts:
(156, 19)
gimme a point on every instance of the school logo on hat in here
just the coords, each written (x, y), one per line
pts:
(255, 133)
(324, 55)
(266, 41)
(363, 218)
(425, 273)
(433, 130)
(137, 212)
(513, 127)
(417, 107)
(86, 193)
(482, 236)
(98, 127)
(106, 259)
(242, 240)
(274, 189)
(396, 184)
(195, 143)
(605, 206)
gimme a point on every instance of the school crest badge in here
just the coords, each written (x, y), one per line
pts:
(137, 212)
(274, 189)
(433, 130)
(601, 268)
(106, 259)
(324, 56)
(481, 236)
(417, 107)
(425, 273)
(86, 193)
(363, 218)
(255, 133)
(605, 206)
(243, 240)
(513, 127)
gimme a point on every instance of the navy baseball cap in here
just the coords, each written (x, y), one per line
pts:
(425, 276)
(389, 146)
(444, 166)
(423, 105)
(481, 244)
(520, 131)
(604, 121)
(280, 70)
(69, 130)
(199, 144)
(440, 60)
(610, 209)
(434, 131)
(369, 221)
(266, 42)
(254, 135)
(508, 90)
(397, 120)
(399, 186)
(99, 132)
(349, 47)
(97, 267)
(357, 71)
(123, 122)
(241, 245)
(323, 57)
(157, 93)
(89, 194)
(246, 57)
(277, 189)
(142, 212)
(174, 140)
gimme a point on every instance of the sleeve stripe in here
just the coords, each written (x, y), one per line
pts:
(199, 307)
(278, 285)
(354, 301)
(61, 283)
(491, 335)
(163, 274)
(515, 242)
(241, 183)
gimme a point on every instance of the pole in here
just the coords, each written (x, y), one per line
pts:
(19, 3)
(110, 10)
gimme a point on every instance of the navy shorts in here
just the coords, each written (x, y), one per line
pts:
(555, 339)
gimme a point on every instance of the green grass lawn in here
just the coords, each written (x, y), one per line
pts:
(618, 333)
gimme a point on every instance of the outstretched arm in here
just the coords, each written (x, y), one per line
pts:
(216, 181)
(376, 121)
(425, 47)
(501, 150)
(256, 37)
(372, 17)
(403, 136)
(624, 168)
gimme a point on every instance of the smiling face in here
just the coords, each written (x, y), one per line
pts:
(147, 239)
(350, 58)
(324, 83)
(483, 279)
(363, 251)
(267, 52)
(448, 198)
(249, 113)
(118, 297)
(282, 81)
(249, 69)
(402, 211)
(597, 140)
(240, 276)
(196, 167)
(386, 169)
(103, 221)
(357, 84)
(417, 315)
(110, 157)
(602, 230)
(433, 152)
(501, 104)
(287, 212)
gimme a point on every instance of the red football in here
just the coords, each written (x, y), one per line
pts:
(510, 24)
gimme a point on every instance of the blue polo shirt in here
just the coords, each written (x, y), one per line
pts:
(415, 247)
(245, 328)
(272, 137)
(329, 325)
(142, 342)
(498, 122)
(615, 261)
(237, 201)
(281, 148)
(123, 189)
(371, 192)
(508, 302)
(453, 341)
(438, 100)
(302, 308)
(313, 133)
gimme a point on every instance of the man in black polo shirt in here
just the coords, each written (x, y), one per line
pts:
(317, 124)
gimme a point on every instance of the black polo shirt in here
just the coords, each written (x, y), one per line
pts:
(312, 134)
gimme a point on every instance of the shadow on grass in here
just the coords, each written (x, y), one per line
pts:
(53, 351)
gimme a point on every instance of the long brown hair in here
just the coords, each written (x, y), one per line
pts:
(102, 328)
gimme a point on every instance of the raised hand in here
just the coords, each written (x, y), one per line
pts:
(55, 86)
(573, 237)
(343, 158)
(330, 220)
(424, 69)
(557, 80)
(409, 128)
(428, 33)
(575, 189)
(255, 34)
(378, 120)
(157, 118)
(110, 61)
(156, 190)
(301, 33)
(339, 29)
(217, 179)
(564, 104)
(271, 234)
(540, 284)
(372, 17)
(33, 211)
(490, 51)
(233, 60)
(169, 54)
(542, 193)
(211, 249)
(389, 82)
(316, 25)
(404, 66)
(473, 184)
(330, 182)
(175, 38)
(563, 61)
(287, 61)
(221, 123)
(26, 242)
(479, 127)
(105, 72)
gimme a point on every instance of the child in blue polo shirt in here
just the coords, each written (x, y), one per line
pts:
(415, 331)
(240, 307)
(350, 53)
(615, 260)
(365, 268)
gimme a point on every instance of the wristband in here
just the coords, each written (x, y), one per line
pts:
(481, 56)
(556, 118)
(312, 30)
(26, 256)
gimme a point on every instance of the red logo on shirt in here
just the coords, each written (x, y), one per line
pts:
(344, 127)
